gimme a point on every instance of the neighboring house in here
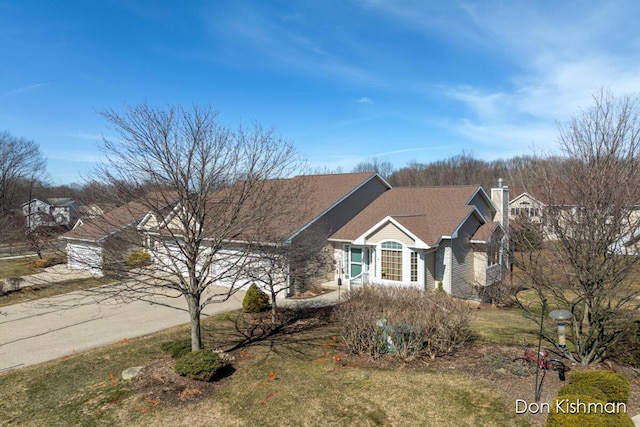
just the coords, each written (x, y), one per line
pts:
(427, 237)
(53, 212)
(87, 241)
(529, 207)
(91, 211)
(451, 236)
(524, 204)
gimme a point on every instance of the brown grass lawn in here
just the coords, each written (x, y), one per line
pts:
(16, 267)
(288, 378)
(298, 375)
(32, 293)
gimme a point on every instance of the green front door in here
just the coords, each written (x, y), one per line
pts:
(355, 262)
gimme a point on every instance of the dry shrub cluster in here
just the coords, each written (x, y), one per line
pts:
(406, 322)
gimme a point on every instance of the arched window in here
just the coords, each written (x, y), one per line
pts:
(391, 261)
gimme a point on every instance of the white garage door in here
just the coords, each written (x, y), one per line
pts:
(84, 257)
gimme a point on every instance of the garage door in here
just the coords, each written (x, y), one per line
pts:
(84, 257)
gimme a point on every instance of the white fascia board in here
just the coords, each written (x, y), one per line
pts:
(340, 240)
(419, 243)
(176, 237)
(76, 239)
(307, 225)
(143, 221)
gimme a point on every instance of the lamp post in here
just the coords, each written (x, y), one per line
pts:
(561, 316)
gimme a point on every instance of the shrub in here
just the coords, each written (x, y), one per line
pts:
(49, 261)
(594, 416)
(627, 350)
(202, 365)
(139, 259)
(615, 386)
(522, 368)
(407, 322)
(496, 360)
(583, 389)
(255, 300)
(41, 263)
(177, 348)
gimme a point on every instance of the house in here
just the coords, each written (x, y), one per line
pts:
(529, 208)
(60, 212)
(448, 237)
(87, 242)
(328, 202)
(91, 211)
(524, 204)
(451, 237)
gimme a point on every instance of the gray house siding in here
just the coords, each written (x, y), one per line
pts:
(347, 208)
(430, 270)
(483, 207)
(462, 260)
(443, 265)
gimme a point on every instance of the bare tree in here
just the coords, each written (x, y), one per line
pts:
(22, 167)
(592, 223)
(298, 264)
(21, 162)
(383, 168)
(213, 200)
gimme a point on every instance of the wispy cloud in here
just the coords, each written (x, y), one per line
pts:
(364, 100)
(77, 156)
(80, 134)
(556, 56)
(24, 89)
(289, 41)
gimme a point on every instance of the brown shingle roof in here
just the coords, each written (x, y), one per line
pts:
(276, 208)
(428, 212)
(94, 229)
(485, 231)
(325, 191)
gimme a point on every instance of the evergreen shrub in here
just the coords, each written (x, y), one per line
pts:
(201, 365)
(178, 348)
(255, 300)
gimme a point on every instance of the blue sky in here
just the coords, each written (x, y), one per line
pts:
(345, 81)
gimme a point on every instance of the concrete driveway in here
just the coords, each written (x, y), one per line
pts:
(43, 330)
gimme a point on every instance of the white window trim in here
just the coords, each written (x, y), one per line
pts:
(406, 264)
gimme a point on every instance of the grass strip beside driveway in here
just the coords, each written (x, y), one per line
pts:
(298, 377)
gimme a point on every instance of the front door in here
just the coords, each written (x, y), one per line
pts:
(355, 262)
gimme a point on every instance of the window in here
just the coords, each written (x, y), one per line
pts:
(391, 256)
(493, 252)
(525, 210)
(414, 266)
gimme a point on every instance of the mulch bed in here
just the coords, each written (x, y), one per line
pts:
(159, 384)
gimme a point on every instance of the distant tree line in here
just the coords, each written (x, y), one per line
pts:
(465, 169)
